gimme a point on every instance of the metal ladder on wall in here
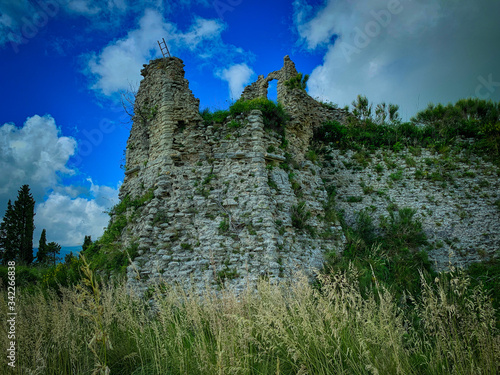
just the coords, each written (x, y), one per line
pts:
(163, 48)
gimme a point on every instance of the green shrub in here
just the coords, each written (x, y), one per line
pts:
(300, 216)
(435, 127)
(354, 199)
(274, 114)
(223, 226)
(397, 175)
(390, 253)
(297, 82)
(233, 124)
(402, 230)
(217, 117)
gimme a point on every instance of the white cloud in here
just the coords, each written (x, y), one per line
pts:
(237, 77)
(83, 7)
(200, 30)
(68, 220)
(405, 52)
(34, 154)
(119, 63)
(37, 155)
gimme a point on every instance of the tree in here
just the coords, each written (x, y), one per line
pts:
(86, 243)
(41, 255)
(362, 108)
(53, 249)
(68, 258)
(9, 235)
(24, 208)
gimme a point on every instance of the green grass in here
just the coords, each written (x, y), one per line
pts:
(278, 329)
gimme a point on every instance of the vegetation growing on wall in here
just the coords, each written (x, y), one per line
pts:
(298, 82)
(392, 253)
(436, 127)
(209, 118)
(275, 116)
(105, 254)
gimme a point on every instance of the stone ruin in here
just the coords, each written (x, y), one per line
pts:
(211, 204)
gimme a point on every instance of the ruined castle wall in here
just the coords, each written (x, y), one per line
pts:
(212, 205)
(306, 113)
(454, 197)
(223, 213)
(164, 104)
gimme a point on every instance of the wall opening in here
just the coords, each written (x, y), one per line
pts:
(272, 90)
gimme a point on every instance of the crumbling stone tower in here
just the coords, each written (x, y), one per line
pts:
(209, 204)
(164, 106)
(306, 113)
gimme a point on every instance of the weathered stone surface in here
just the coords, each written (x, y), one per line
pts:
(214, 206)
(306, 113)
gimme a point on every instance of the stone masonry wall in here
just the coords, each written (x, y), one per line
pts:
(219, 209)
(223, 213)
(211, 204)
(454, 196)
(306, 113)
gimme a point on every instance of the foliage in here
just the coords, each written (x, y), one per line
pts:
(354, 199)
(436, 127)
(361, 108)
(16, 229)
(9, 238)
(471, 117)
(106, 254)
(217, 117)
(300, 217)
(53, 249)
(126, 203)
(297, 82)
(224, 226)
(402, 230)
(487, 274)
(275, 117)
(392, 253)
(41, 255)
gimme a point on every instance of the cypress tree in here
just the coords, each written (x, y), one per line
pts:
(41, 256)
(87, 242)
(24, 208)
(10, 241)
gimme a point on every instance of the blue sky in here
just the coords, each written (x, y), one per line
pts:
(64, 65)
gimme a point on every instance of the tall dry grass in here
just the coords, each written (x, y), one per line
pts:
(278, 329)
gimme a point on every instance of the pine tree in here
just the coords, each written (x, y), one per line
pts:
(42, 256)
(24, 208)
(53, 250)
(10, 241)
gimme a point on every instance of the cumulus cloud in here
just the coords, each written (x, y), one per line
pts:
(119, 63)
(68, 220)
(37, 154)
(405, 52)
(237, 76)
